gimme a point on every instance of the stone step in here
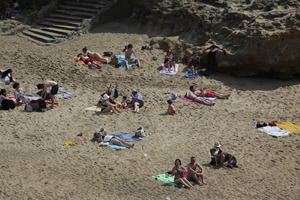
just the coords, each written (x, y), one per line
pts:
(75, 13)
(46, 33)
(81, 4)
(39, 37)
(56, 30)
(62, 21)
(78, 8)
(90, 1)
(68, 17)
(59, 26)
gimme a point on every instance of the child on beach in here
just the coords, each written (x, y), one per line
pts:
(171, 109)
(19, 94)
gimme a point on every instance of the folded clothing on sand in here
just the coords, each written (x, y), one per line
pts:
(172, 71)
(274, 131)
(289, 126)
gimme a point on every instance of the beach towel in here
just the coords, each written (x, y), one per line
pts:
(289, 126)
(82, 62)
(168, 179)
(64, 95)
(114, 146)
(121, 61)
(94, 109)
(191, 75)
(173, 70)
(31, 98)
(274, 131)
(196, 102)
(126, 136)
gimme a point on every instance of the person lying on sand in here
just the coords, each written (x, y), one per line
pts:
(171, 109)
(5, 102)
(180, 174)
(203, 92)
(107, 104)
(101, 137)
(93, 55)
(191, 95)
(43, 91)
(137, 100)
(6, 76)
(88, 61)
(195, 172)
(129, 52)
(194, 62)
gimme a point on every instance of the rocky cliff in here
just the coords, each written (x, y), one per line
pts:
(258, 35)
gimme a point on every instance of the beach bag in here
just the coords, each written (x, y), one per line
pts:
(108, 53)
(54, 89)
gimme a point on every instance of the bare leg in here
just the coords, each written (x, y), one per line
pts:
(195, 178)
(136, 107)
(222, 96)
(108, 109)
(121, 142)
(187, 182)
(201, 100)
(182, 182)
(126, 64)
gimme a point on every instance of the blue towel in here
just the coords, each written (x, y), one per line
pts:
(121, 61)
(191, 75)
(116, 146)
(126, 136)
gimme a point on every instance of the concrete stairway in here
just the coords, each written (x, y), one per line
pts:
(71, 17)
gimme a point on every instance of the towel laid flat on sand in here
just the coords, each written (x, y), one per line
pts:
(172, 71)
(114, 146)
(196, 102)
(64, 95)
(289, 126)
(31, 99)
(82, 62)
(166, 178)
(274, 131)
(191, 75)
(94, 109)
(121, 61)
(126, 136)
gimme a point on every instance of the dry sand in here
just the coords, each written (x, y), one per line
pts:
(36, 165)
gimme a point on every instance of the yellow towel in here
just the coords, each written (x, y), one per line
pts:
(293, 128)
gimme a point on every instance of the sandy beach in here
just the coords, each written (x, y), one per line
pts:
(35, 163)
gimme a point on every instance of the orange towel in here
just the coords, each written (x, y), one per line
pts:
(293, 128)
(82, 62)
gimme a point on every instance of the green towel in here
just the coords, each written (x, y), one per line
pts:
(166, 178)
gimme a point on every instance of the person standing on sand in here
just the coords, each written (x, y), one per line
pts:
(212, 57)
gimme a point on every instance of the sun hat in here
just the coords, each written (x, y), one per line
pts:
(102, 129)
(217, 144)
(105, 97)
(133, 90)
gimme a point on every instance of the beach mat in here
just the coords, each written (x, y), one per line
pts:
(121, 61)
(64, 95)
(82, 62)
(274, 131)
(172, 72)
(191, 75)
(196, 102)
(126, 136)
(47, 102)
(167, 179)
(289, 126)
(114, 146)
(94, 109)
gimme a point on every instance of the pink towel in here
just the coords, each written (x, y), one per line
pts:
(190, 100)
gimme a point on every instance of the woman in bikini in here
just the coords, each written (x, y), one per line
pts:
(180, 174)
(101, 136)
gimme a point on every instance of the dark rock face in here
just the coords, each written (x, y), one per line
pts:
(258, 35)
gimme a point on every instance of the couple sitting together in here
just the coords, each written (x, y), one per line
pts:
(91, 59)
(108, 104)
(199, 95)
(194, 172)
(169, 62)
(220, 158)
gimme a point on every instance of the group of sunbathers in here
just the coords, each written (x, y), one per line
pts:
(108, 104)
(194, 171)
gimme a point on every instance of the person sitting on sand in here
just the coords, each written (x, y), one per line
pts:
(43, 91)
(101, 137)
(94, 56)
(228, 160)
(5, 102)
(171, 109)
(169, 57)
(137, 100)
(19, 93)
(108, 105)
(195, 172)
(194, 62)
(180, 174)
(215, 153)
(125, 103)
(129, 53)
(88, 61)
(6, 76)
(191, 95)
